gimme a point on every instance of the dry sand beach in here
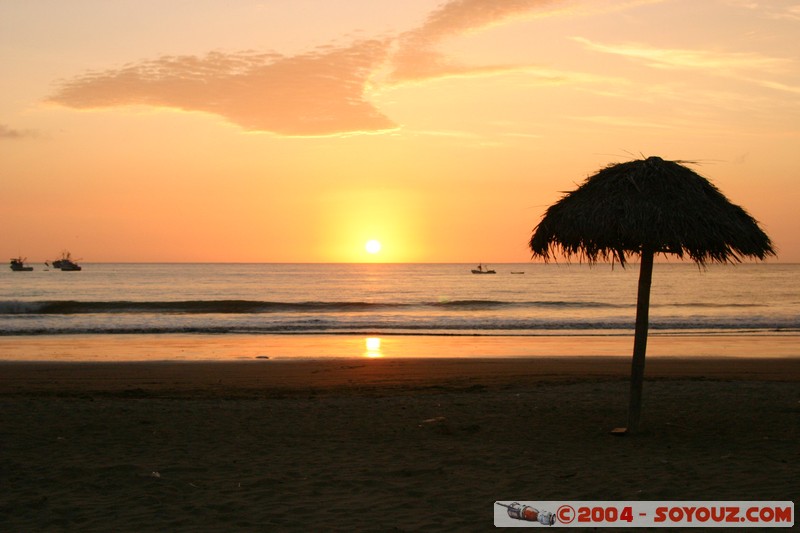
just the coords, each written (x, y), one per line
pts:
(383, 445)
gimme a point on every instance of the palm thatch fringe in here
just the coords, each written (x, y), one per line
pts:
(649, 203)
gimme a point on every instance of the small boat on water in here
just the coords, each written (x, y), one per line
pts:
(65, 263)
(18, 265)
(482, 270)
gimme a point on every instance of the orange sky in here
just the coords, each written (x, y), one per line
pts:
(295, 131)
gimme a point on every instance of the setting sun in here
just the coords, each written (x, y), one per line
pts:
(372, 246)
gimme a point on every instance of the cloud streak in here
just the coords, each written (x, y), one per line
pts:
(743, 66)
(670, 58)
(770, 9)
(322, 92)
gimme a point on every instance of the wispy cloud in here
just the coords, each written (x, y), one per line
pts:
(417, 56)
(317, 93)
(322, 92)
(790, 12)
(672, 58)
(770, 8)
(743, 66)
(778, 86)
(8, 133)
(621, 121)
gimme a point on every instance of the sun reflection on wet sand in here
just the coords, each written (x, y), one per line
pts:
(373, 347)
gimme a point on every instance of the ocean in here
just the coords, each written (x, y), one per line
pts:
(336, 308)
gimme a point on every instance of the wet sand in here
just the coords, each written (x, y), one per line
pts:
(381, 444)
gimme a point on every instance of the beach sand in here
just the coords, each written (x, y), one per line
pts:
(383, 444)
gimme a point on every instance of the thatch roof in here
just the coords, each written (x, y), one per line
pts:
(649, 203)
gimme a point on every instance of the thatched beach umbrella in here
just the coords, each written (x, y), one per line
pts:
(646, 207)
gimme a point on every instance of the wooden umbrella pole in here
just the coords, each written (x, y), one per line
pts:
(640, 338)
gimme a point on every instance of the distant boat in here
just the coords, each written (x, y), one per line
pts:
(513, 272)
(18, 265)
(482, 270)
(65, 263)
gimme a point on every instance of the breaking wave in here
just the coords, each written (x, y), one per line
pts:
(70, 307)
(458, 317)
